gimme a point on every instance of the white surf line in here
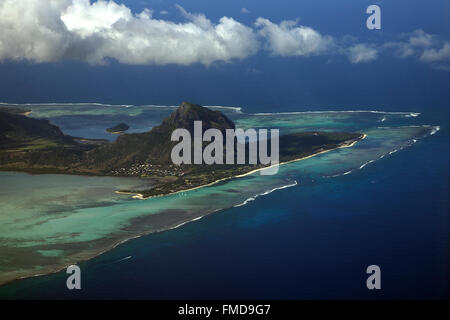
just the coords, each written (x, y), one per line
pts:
(434, 130)
(124, 259)
(265, 193)
(406, 113)
(140, 196)
(237, 109)
(186, 222)
(67, 104)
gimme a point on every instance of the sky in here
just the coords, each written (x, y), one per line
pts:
(260, 55)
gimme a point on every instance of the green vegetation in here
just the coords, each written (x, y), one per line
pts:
(37, 146)
(292, 147)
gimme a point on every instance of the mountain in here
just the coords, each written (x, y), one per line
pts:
(155, 146)
(187, 113)
(33, 145)
(17, 129)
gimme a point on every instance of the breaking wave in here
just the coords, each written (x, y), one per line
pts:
(405, 114)
(435, 130)
(123, 259)
(265, 193)
(235, 109)
(68, 104)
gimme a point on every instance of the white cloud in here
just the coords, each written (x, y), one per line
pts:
(415, 42)
(289, 39)
(437, 55)
(164, 12)
(420, 38)
(86, 19)
(361, 53)
(30, 30)
(425, 47)
(79, 29)
(402, 49)
(54, 30)
(245, 10)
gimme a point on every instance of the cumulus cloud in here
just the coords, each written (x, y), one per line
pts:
(53, 30)
(95, 31)
(425, 47)
(414, 42)
(402, 49)
(437, 55)
(420, 38)
(290, 39)
(30, 30)
(79, 29)
(361, 53)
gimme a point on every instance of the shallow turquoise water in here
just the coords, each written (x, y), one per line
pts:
(55, 220)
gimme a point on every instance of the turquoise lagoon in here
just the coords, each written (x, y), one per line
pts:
(50, 221)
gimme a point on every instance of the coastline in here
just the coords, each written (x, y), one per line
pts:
(113, 245)
(140, 196)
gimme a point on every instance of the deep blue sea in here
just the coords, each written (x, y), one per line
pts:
(291, 244)
(309, 241)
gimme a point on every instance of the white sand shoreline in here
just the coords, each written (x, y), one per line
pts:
(140, 196)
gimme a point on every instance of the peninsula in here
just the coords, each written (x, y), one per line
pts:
(37, 146)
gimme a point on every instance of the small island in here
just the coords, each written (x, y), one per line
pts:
(118, 129)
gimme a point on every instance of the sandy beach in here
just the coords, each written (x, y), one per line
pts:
(108, 245)
(140, 196)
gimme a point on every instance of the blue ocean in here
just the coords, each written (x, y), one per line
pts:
(324, 221)
(309, 232)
